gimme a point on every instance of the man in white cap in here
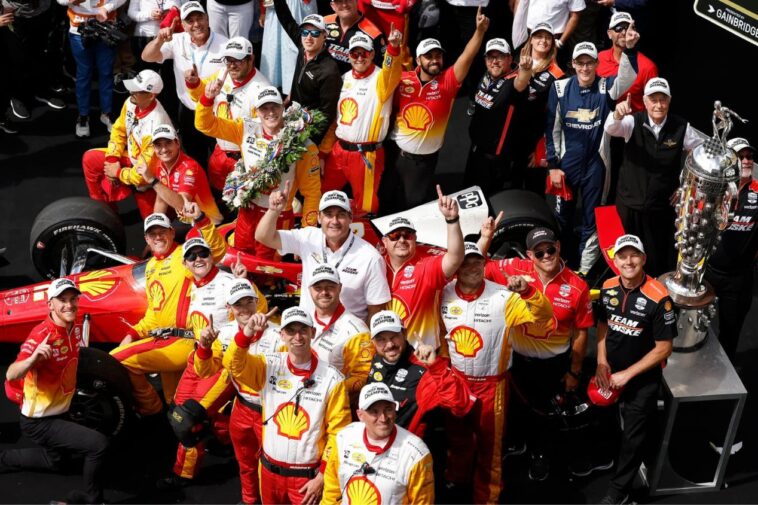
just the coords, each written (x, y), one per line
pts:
(634, 334)
(478, 315)
(363, 117)
(303, 408)
(240, 84)
(424, 103)
(111, 173)
(361, 269)
(197, 52)
(245, 429)
(376, 460)
(415, 280)
(255, 134)
(47, 364)
(578, 161)
(177, 178)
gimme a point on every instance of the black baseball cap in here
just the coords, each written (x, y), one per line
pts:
(539, 235)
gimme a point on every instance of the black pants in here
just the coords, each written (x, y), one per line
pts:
(27, 45)
(56, 437)
(407, 181)
(735, 293)
(656, 230)
(489, 172)
(197, 145)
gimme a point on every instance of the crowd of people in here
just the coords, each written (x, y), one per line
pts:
(345, 116)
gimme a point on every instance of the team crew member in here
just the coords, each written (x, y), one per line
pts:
(360, 268)
(489, 164)
(303, 409)
(47, 364)
(577, 107)
(255, 135)
(363, 117)
(341, 338)
(424, 100)
(177, 178)
(634, 334)
(236, 99)
(109, 172)
(243, 301)
(478, 316)
(197, 51)
(420, 380)
(167, 285)
(547, 357)
(375, 460)
(343, 25)
(655, 145)
(415, 281)
(730, 268)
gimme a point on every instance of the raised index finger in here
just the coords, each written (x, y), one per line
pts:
(440, 195)
(272, 312)
(223, 78)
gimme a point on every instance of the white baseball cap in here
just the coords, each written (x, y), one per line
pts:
(400, 222)
(427, 45)
(269, 94)
(620, 17)
(628, 240)
(191, 7)
(543, 27)
(497, 45)
(296, 315)
(587, 48)
(334, 198)
(157, 219)
(194, 242)
(316, 20)
(164, 131)
(147, 80)
(385, 320)
(472, 248)
(375, 392)
(58, 286)
(738, 144)
(324, 272)
(657, 85)
(238, 48)
(240, 289)
(360, 39)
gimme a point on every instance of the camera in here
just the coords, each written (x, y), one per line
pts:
(110, 33)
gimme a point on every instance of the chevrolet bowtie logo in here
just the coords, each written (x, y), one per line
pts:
(583, 115)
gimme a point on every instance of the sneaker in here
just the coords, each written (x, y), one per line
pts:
(586, 467)
(7, 128)
(736, 447)
(539, 468)
(57, 87)
(611, 499)
(19, 109)
(82, 127)
(516, 449)
(52, 102)
(107, 121)
(171, 482)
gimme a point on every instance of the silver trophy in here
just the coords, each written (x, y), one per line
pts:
(705, 196)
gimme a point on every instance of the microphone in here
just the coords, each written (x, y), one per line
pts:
(306, 384)
(366, 469)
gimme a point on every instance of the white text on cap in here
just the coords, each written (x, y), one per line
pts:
(157, 219)
(587, 48)
(375, 392)
(334, 198)
(657, 85)
(239, 290)
(58, 286)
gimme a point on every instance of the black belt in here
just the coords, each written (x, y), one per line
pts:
(363, 148)
(171, 332)
(249, 404)
(564, 356)
(416, 157)
(308, 473)
(235, 155)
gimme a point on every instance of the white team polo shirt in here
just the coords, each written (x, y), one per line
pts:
(362, 270)
(555, 12)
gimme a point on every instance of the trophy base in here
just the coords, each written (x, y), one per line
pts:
(687, 298)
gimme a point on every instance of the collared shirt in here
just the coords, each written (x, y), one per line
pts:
(555, 12)
(625, 126)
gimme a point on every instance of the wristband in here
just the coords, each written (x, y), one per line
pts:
(453, 221)
(153, 182)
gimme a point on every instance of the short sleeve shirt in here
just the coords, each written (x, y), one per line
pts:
(555, 12)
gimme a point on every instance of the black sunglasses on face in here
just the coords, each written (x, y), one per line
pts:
(397, 234)
(193, 255)
(549, 251)
(621, 28)
(304, 32)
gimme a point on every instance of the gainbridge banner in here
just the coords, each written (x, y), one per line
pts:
(739, 17)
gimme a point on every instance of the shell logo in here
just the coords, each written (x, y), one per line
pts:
(290, 425)
(361, 491)
(399, 307)
(348, 111)
(417, 117)
(223, 110)
(198, 320)
(97, 284)
(467, 341)
(157, 294)
(540, 331)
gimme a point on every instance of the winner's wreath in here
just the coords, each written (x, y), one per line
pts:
(243, 186)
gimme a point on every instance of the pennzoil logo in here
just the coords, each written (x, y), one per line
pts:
(348, 111)
(97, 284)
(399, 307)
(468, 342)
(361, 491)
(417, 117)
(289, 424)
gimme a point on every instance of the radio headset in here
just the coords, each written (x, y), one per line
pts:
(364, 469)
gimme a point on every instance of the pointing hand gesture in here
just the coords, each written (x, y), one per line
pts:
(447, 204)
(482, 21)
(190, 75)
(238, 268)
(277, 200)
(213, 89)
(43, 351)
(395, 37)
(258, 322)
(624, 108)
(489, 226)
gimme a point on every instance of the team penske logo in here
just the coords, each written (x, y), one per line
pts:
(198, 320)
(289, 424)
(157, 295)
(583, 115)
(361, 491)
(624, 325)
(97, 284)
(467, 341)
(417, 117)
(399, 307)
(348, 111)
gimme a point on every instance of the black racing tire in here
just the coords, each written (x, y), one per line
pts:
(71, 222)
(522, 211)
(103, 398)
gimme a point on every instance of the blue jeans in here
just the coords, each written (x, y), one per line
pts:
(100, 55)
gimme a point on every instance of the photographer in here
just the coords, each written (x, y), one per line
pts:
(95, 54)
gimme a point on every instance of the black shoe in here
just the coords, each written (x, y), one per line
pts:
(611, 499)
(57, 87)
(586, 467)
(52, 102)
(7, 128)
(516, 449)
(19, 109)
(171, 482)
(539, 468)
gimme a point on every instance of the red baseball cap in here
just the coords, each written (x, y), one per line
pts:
(602, 397)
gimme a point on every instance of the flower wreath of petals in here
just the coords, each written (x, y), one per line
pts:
(242, 186)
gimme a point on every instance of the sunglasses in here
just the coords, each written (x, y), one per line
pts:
(398, 234)
(359, 53)
(304, 32)
(746, 156)
(549, 252)
(621, 28)
(193, 255)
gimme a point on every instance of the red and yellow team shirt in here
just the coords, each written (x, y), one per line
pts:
(50, 384)
(572, 308)
(132, 137)
(187, 176)
(415, 295)
(423, 111)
